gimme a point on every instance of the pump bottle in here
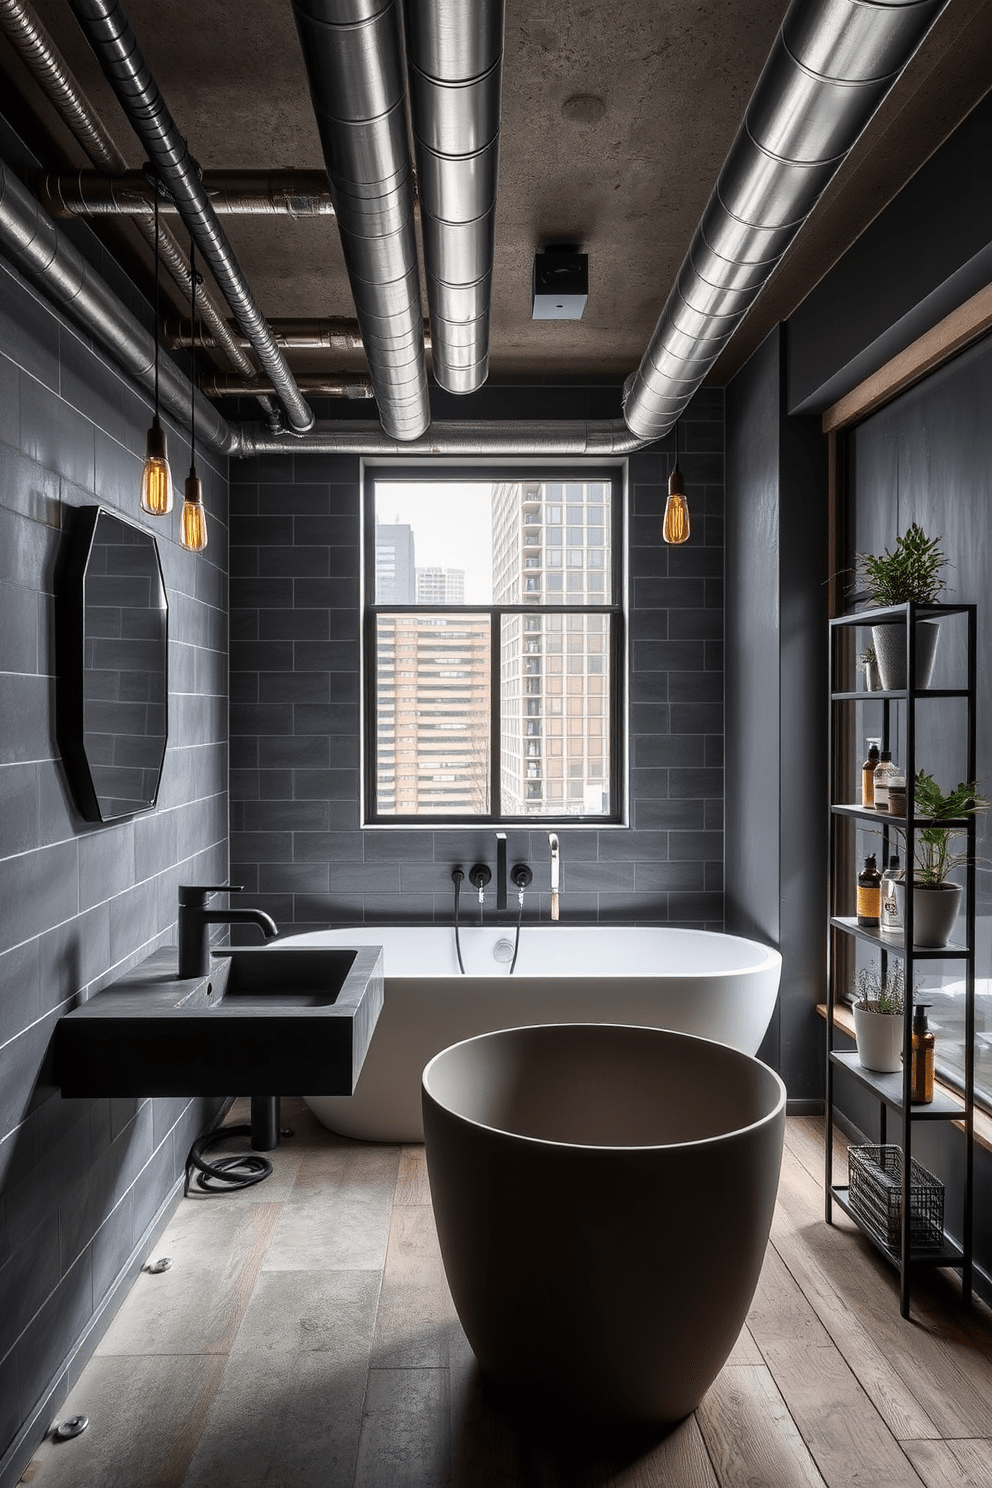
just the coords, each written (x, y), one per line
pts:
(921, 1081)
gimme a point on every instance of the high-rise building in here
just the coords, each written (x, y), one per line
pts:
(395, 566)
(551, 547)
(440, 586)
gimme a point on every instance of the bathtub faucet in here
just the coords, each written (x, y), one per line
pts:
(553, 840)
(500, 870)
(478, 877)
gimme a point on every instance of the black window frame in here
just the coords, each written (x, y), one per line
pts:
(615, 609)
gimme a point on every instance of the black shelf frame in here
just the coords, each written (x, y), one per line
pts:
(893, 1092)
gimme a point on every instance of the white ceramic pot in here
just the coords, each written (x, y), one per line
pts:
(889, 641)
(879, 1037)
(935, 910)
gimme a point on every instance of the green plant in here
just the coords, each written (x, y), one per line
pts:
(910, 571)
(880, 992)
(933, 859)
(867, 658)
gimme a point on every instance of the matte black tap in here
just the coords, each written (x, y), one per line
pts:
(195, 919)
(500, 870)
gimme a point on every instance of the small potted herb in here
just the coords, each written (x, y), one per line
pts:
(911, 571)
(936, 898)
(868, 664)
(878, 1025)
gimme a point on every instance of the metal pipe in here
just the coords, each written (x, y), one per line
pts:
(324, 384)
(831, 66)
(109, 34)
(598, 438)
(292, 335)
(231, 193)
(455, 65)
(353, 57)
(39, 248)
(44, 61)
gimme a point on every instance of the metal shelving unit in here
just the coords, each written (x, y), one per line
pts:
(893, 1090)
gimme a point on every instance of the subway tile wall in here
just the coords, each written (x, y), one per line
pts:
(297, 841)
(81, 1181)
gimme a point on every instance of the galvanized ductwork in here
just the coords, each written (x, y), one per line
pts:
(231, 193)
(831, 66)
(455, 63)
(109, 33)
(600, 438)
(353, 55)
(39, 248)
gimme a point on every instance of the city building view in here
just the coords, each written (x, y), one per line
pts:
(552, 588)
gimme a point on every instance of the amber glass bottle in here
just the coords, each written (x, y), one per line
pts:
(922, 1072)
(869, 893)
(868, 774)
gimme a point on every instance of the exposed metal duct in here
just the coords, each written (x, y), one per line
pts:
(39, 248)
(323, 384)
(44, 61)
(601, 438)
(455, 64)
(831, 66)
(116, 48)
(292, 334)
(353, 56)
(231, 193)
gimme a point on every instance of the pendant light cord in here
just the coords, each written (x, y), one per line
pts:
(192, 353)
(158, 320)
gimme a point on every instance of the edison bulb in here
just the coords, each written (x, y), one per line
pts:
(193, 521)
(156, 477)
(676, 529)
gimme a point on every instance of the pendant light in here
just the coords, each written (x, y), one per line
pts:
(676, 528)
(193, 523)
(156, 477)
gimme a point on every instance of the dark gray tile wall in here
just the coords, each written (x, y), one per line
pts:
(81, 1181)
(296, 837)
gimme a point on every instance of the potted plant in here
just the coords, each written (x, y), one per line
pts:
(878, 1023)
(868, 664)
(936, 899)
(911, 571)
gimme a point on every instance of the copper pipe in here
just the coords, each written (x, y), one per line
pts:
(291, 334)
(266, 193)
(324, 384)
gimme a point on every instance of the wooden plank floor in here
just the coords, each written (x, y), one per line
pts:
(305, 1338)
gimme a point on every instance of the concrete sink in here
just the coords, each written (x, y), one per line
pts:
(264, 1019)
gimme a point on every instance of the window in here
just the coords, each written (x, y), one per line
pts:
(469, 616)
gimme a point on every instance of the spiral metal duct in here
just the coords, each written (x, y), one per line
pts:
(231, 193)
(831, 66)
(109, 33)
(354, 61)
(455, 65)
(600, 438)
(40, 249)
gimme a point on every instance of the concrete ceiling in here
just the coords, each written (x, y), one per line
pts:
(616, 120)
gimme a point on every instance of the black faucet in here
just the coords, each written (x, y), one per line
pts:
(195, 919)
(500, 870)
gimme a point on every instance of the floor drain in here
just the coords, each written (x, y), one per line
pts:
(66, 1430)
(155, 1267)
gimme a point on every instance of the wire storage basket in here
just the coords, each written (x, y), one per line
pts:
(875, 1195)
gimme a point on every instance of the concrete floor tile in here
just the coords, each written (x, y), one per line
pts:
(416, 1325)
(337, 1214)
(197, 1306)
(282, 1421)
(295, 1312)
(146, 1417)
(405, 1440)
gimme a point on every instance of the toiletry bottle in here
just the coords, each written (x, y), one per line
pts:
(882, 772)
(897, 792)
(869, 892)
(868, 774)
(889, 922)
(921, 1082)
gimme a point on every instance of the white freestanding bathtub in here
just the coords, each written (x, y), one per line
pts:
(603, 1198)
(719, 987)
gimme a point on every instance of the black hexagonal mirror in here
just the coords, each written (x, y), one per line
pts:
(113, 666)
